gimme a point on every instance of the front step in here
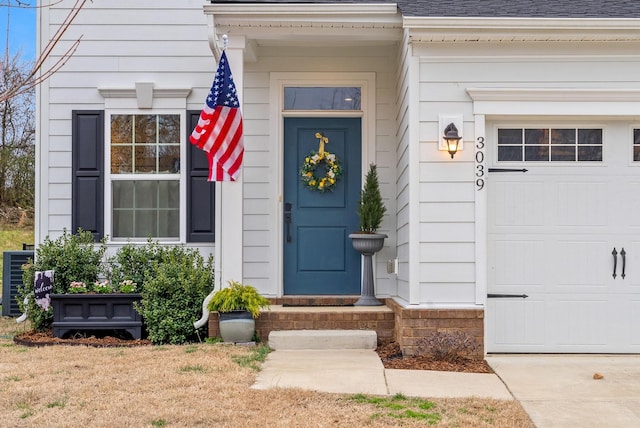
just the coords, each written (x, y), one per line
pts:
(323, 339)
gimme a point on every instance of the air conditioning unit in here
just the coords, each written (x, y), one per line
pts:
(12, 279)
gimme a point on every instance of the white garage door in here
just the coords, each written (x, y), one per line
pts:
(567, 235)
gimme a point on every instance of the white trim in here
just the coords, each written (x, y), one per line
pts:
(277, 83)
(414, 180)
(481, 215)
(555, 101)
(554, 94)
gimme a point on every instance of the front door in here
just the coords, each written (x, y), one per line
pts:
(318, 256)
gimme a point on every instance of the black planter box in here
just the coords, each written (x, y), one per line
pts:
(96, 312)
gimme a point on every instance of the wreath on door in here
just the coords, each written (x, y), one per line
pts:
(321, 169)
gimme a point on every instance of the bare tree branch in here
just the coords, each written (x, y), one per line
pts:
(38, 73)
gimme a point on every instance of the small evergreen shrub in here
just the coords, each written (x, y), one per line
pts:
(448, 346)
(75, 258)
(176, 282)
(371, 209)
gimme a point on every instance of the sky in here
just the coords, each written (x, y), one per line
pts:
(22, 29)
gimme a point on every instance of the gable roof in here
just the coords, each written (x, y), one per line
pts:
(493, 8)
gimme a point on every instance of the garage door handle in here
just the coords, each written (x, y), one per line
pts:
(615, 261)
(623, 253)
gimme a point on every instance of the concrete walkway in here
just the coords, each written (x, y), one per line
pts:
(560, 390)
(353, 371)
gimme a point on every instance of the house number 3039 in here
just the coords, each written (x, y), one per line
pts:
(480, 169)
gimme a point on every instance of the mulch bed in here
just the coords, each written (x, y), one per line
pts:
(100, 339)
(392, 358)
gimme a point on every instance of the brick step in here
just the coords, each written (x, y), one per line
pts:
(323, 339)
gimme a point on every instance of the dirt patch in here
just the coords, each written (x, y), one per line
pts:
(392, 358)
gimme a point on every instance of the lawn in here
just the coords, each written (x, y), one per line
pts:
(198, 385)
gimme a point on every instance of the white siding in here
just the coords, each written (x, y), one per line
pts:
(159, 41)
(447, 190)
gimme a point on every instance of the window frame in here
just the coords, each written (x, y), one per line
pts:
(109, 178)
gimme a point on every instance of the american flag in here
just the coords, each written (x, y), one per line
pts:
(219, 128)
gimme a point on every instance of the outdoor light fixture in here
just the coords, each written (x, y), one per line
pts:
(452, 138)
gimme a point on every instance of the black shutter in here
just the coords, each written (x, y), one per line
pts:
(201, 194)
(87, 142)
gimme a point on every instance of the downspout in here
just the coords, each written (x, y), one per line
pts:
(213, 38)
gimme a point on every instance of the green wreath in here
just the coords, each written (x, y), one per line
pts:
(312, 162)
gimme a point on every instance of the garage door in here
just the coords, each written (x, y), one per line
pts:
(565, 234)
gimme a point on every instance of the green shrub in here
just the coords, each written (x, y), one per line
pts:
(176, 282)
(73, 257)
(134, 262)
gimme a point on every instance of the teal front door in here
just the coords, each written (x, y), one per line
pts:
(318, 256)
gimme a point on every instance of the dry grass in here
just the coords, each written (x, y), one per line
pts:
(194, 385)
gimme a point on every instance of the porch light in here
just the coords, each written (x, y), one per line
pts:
(452, 139)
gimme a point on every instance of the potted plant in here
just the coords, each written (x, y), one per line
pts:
(367, 241)
(238, 305)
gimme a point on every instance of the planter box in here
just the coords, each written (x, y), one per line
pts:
(96, 312)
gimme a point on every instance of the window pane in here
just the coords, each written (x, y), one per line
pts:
(563, 153)
(169, 159)
(145, 159)
(121, 131)
(123, 223)
(510, 153)
(509, 136)
(590, 153)
(563, 136)
(168, 223)
(536, 153)
(121, 159)
(122, 194)
(590, 136)
(145, 126)
(536, 136)
(319, 98)
(168, 194)
(169, 129)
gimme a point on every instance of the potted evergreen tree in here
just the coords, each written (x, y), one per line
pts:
(367, 240)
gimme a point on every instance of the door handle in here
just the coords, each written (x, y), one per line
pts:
(287, 219)
(623, 253)
(615, 261)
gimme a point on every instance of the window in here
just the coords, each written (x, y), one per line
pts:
(144, 153)
(636, 145)
(549, 145)
(319, 98)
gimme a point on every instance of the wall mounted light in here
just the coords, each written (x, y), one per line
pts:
(450, 138)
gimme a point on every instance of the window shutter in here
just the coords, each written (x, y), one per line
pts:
(87, 142)
(201, 194)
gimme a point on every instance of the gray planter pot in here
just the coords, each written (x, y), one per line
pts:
(236, 326)
(367, 244)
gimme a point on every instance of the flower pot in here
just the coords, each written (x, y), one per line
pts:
(236, 326)
(367, 244)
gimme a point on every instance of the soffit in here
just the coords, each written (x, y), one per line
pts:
(309, 24)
